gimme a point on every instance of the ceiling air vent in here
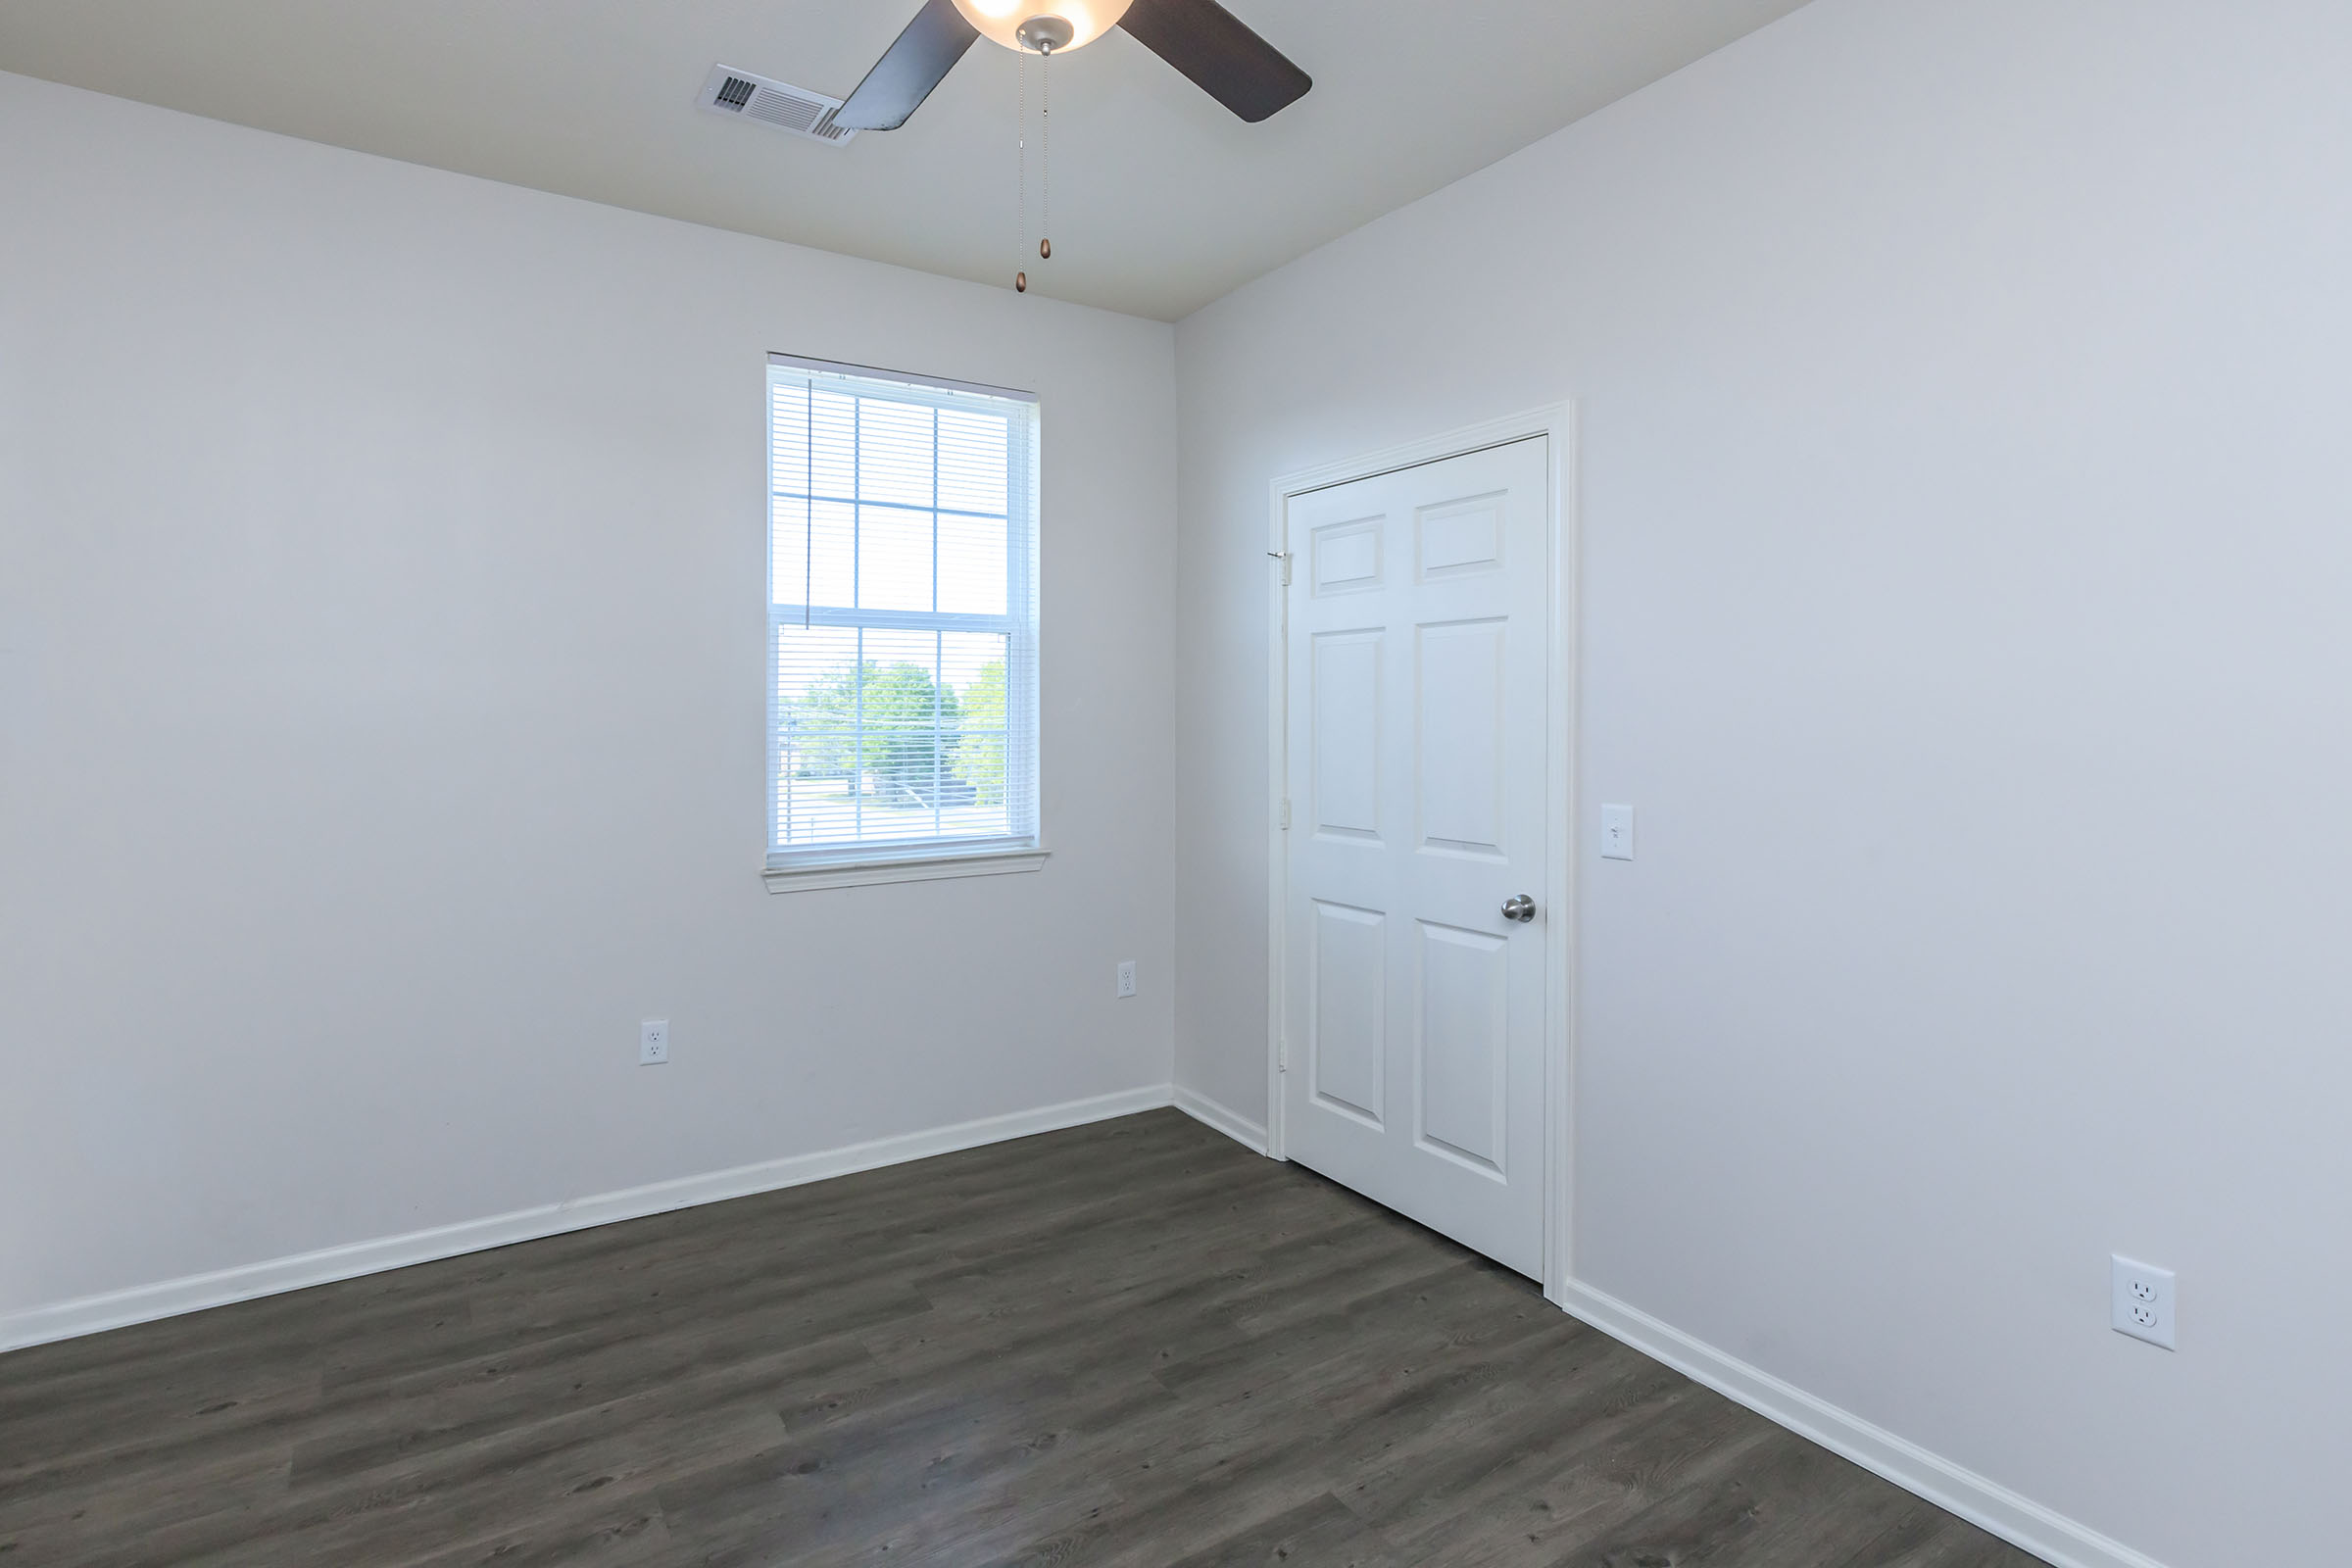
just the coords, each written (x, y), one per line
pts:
(744, 96)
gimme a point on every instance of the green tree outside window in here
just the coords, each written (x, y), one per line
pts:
(910, 737)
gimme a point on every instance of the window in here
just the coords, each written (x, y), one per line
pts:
(903, 627)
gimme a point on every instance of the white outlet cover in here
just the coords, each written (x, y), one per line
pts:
(1127, 978)
(2144, 1300)
(653, 1041)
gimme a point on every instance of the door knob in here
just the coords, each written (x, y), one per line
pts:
(1519, 906)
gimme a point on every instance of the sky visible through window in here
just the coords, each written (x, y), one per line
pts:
(896, 607)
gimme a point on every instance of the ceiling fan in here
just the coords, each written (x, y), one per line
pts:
(1199, 37)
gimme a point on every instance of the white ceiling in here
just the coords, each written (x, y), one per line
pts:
(1162, 201)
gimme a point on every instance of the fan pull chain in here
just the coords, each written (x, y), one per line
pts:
(1020, 281)
(1045, 156)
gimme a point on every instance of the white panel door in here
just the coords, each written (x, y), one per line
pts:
(1413, 1007)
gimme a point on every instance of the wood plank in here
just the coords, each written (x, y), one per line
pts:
(1126, 1345)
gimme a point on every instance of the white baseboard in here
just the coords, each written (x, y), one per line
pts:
(1231, 1123)
(142, 1304)
(2017, 1520)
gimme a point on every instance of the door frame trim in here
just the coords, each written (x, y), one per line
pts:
(1556, 422)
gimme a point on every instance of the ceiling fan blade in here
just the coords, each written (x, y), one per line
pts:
(908, 69)
(1217, 50)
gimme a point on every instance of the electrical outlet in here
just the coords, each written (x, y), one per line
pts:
(2142, 1301)
(1127, 978)
(653, 1041)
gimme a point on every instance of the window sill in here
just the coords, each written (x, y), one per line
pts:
(921, 868)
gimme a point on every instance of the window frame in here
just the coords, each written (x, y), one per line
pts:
(851, 864)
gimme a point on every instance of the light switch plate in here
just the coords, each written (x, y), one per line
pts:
(1616, 832)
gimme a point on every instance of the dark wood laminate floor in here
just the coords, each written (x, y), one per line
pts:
(1130, 1344)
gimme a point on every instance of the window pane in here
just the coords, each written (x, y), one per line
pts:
(894, 453)
(814, 805)
(973, 460)
(971, 564)
(894, 559)
(816, 672)
(787, 434)
(911, 652)
(831, 449)
(816, 734)
(811, 438)
(972, 670)
(816, 534)
(901, 714)
(901, 782)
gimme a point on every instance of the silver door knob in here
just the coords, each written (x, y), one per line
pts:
(1519, 906)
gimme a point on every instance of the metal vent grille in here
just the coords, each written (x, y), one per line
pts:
(774, 103)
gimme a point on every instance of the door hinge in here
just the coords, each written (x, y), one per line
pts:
(1282, 818)
(1282, 1057)
(1284, 557)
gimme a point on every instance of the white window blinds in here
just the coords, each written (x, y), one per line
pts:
(902, 617)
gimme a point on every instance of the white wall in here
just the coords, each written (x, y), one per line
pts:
(1967, 553)
(381, 650)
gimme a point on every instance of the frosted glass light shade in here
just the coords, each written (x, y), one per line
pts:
(999, 21)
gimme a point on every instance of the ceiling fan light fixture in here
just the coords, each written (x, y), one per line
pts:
(1027, 24)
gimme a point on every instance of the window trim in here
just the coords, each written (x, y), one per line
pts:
(849, 874)
(927, 859)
